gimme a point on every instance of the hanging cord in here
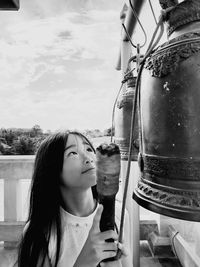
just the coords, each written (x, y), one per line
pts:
(153, 11)
(128, 35)
(173, 244)
(160, 25)
(137, 18)
(138, 57)
(151, 46)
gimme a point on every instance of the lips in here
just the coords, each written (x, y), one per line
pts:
(89, 169)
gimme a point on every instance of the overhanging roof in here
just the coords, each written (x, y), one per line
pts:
(9, 4)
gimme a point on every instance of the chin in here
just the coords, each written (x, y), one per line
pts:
(92, 180)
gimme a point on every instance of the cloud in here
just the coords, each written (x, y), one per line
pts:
(57, 64)
(61, 36)
(59, 69)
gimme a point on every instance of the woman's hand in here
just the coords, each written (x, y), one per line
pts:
(96, 248)
(117, 263)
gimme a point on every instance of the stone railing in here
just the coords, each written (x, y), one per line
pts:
(13, 171)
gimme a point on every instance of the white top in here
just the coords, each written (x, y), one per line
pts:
(74, 232)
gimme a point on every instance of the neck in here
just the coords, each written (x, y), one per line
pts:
(78, 202)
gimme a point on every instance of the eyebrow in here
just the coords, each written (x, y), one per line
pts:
(84, 143)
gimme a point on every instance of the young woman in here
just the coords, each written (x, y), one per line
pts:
(62, 229)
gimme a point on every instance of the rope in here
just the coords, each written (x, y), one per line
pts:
(137, 18)
(153, 11)
(128, 36)
(173, 245)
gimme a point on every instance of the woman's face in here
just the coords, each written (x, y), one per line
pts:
(78, 164)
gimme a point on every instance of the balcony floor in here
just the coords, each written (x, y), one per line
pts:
(8, 257)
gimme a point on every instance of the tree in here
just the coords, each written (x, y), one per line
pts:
(36, 131)
(21, 141)
(108, 132)
(24, 146)
(8, 135)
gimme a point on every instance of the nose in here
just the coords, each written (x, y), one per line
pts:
(89, 160)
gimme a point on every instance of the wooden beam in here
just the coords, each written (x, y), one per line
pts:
(9, 4)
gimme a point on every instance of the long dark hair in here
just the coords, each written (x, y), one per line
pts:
(45, 200)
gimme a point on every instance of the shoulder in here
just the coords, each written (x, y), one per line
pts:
(26, 226)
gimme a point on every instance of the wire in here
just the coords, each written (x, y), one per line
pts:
(153, 11)
(128, 36)
(173, 244)
(128, 72)
(136, 16)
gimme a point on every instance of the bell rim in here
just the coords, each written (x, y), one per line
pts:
(166, 210)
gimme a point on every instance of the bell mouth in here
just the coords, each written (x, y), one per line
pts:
(169, 186)
(168, 201)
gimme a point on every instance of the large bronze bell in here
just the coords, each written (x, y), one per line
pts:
(123, 125)
(169, 156)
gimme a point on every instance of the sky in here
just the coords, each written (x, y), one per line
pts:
(57, 62)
